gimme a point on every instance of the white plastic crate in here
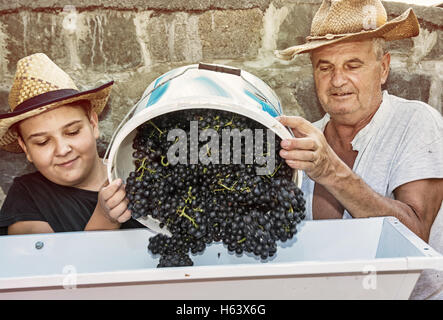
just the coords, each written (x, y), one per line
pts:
(374, 258)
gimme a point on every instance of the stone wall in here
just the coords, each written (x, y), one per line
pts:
(135, 41)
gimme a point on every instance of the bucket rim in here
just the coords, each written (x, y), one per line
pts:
(190, 104)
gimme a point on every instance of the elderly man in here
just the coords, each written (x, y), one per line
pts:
(372, 154)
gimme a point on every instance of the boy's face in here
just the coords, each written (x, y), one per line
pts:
(62, 144)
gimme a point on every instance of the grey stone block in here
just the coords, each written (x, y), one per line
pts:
(297, 25)
(409, 86)
(11, 166)
(4, 106)
(231, 33)
(437, 51)
(109, 42)
(305, 94)
(28, 33)
(295, 88)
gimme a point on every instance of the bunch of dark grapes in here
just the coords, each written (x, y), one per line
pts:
(204, 203)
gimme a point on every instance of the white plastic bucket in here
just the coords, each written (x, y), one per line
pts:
(198, 86)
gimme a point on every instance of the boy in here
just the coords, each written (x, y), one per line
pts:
(56, 126)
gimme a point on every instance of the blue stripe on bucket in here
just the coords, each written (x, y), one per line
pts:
(211, 87)
(157, 93)
(265, 107)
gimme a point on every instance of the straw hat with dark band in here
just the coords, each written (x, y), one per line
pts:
(40, 85)
(340, 20)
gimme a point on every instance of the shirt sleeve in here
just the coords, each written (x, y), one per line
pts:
(422, 156)
(18, 206)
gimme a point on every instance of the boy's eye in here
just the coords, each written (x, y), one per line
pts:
(41, 143)
(73, 132)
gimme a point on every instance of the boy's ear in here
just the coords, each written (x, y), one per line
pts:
(23, 146)
(93, 119)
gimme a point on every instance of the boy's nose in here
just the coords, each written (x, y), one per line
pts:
(62, 148)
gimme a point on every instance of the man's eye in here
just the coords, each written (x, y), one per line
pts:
(354, 66)
(324, 69)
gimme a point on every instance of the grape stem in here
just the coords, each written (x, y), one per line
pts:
(157, 128)
(275, 171)
(143, 168)
(163, 163)
(229, 123)
(190, 196)
(183, 214)
(227, 188)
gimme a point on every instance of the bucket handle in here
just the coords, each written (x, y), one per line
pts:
(218, 68)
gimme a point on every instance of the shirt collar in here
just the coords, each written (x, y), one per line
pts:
(378, 120)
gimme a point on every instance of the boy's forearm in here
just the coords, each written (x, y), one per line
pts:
(98, 221)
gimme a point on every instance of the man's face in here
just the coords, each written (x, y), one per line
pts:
(348, 79)
(62, 144)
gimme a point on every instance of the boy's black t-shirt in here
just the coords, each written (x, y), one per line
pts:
(33, 197)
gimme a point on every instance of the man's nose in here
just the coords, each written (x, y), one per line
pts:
(338, 78)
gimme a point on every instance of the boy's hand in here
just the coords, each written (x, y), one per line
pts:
(113, 203)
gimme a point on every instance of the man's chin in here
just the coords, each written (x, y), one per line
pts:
(341, 110)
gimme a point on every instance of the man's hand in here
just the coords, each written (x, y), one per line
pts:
(112, 202)
(309, 151)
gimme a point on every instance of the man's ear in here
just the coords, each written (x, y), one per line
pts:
(23, 146)
(385, 64)
(93, 119)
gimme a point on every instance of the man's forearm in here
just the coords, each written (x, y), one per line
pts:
(361, 201)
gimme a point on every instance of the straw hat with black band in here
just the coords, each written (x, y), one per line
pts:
(40, 85)
(353, 20)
